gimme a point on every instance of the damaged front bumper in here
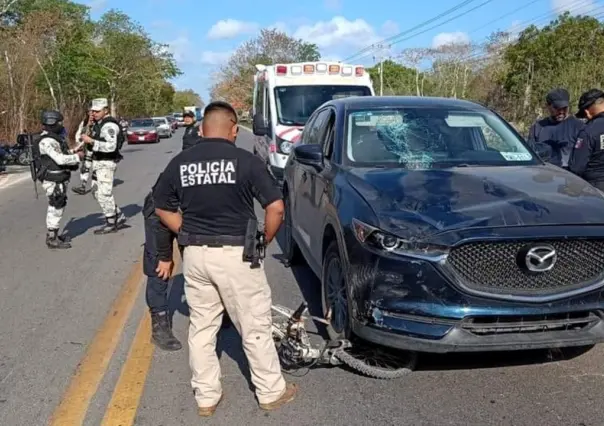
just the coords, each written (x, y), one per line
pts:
(409, 304)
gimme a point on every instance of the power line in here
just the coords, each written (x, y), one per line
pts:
(477, 57)
(518, 9)
(429, 21)
(484, 3)
(547, 17)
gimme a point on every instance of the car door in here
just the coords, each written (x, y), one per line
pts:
(306, 190)
(319, 181)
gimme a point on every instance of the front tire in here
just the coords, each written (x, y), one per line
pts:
(334, 294)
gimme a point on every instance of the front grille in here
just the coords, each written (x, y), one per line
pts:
(492, 267)
(531, 324)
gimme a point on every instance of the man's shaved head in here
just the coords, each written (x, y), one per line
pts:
(220, 121)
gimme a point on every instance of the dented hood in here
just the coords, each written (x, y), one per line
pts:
(423, 203)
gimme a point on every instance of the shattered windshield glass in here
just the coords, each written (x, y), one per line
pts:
(424, 138)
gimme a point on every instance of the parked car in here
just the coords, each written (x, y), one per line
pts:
(164, 129)
(173, 123)
(433, 227)
(142, 130)
(180, 119)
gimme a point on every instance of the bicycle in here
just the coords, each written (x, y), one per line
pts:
(296, 350)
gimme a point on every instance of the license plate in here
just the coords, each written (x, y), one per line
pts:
(141, 138)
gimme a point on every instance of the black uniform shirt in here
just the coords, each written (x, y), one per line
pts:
(191, 136)
(214, 183)
(560, 135)
(587, 158)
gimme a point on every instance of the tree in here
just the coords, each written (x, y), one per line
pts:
(53, 55)
(183, 98)
(397, 78)
(565, 53)
(235, 80)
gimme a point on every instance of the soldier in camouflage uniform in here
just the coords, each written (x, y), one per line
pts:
(84, 129)
(105, 143)
(53, 163)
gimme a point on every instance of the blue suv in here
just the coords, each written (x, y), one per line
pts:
(434, 227)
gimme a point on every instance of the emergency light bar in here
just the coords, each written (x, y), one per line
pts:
(319, 68)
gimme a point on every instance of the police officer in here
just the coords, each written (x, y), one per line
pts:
(105, 143)
(192, 131)
(157, 266)
(559, 131)
(214, 184)
(53, 164)
(587, 159)
(85, 128)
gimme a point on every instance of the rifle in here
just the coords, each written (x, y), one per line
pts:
(32, 165)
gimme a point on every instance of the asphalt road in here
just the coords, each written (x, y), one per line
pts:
(83, 307)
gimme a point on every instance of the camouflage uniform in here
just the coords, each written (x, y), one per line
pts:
(86, 164)
(56, 192)
(105, 156)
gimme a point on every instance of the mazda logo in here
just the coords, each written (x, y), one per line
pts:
(540, 258)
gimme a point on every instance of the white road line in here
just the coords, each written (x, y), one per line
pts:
(13, 179)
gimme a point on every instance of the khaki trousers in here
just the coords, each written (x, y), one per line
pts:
(217, 279)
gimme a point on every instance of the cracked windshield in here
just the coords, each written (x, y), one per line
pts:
(432, 138)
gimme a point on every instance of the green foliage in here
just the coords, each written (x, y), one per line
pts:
(58, 57)
(235, 80)
(183, 98)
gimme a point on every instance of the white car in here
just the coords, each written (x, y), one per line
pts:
(164, 129)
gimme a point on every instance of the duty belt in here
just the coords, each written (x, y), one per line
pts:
(186, 239)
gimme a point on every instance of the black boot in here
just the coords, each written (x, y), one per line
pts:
(53, 241)
(114, 224)
(162, 335)
(81, 190)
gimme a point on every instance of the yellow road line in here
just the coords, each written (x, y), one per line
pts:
(89, 373)
(127, 394)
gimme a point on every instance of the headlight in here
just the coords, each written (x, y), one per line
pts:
(284, 146)
(381, 240)
(153, 131)
(129, 132)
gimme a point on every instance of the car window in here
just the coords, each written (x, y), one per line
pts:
(317, 128)
(438, 137)
(142, 123)
(329, 135)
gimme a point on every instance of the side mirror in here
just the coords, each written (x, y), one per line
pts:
(310, 155)
(544, 151)
(258, 125)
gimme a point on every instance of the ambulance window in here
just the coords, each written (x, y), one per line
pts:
(258, 101)
(267, 111)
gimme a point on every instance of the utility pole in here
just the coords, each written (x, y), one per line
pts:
(381, 58)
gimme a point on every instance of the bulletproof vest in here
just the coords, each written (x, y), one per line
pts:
(44, 167)
(96, 134)
(191, 137)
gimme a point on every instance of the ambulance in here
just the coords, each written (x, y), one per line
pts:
(285, 95)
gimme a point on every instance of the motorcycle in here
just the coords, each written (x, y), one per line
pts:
(18, 153)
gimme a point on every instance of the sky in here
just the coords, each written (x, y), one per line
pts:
(202, 34)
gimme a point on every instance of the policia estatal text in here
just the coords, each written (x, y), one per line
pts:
(214, 184)
(52, 165)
